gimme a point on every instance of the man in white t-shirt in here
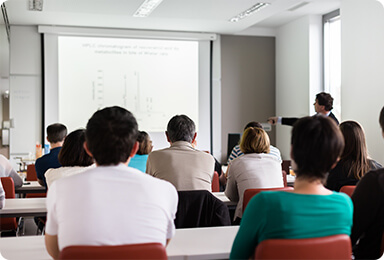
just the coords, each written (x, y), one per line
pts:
(112, 204)
(6, 170)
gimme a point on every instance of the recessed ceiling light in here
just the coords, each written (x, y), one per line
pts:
(146, 8)
(253, 9)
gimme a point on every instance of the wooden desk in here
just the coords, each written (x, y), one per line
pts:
(33, 187)
(190, 243)
(221, 196)
(35, 207)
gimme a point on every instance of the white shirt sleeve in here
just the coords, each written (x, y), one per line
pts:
(17, 180)
(173, 208)
(51, 226)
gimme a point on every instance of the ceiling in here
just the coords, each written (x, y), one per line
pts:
(171, 15)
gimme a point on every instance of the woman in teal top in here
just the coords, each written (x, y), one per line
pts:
(310, 210)
(139, 161)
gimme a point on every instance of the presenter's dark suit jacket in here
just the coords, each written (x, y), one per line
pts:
(291, 120)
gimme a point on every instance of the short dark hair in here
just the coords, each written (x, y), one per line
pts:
(181, 128)
(56, 133)
(316, 143)
(381, 119)
(253, 124)
(145, 144)
(326, 100)
(111, 134)
(72, 153)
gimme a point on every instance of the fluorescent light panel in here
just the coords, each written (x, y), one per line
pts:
(146, 8)
(253, 9)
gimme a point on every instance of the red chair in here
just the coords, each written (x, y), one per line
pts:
(31, 173)
(348, 189)
(285, 165)
(249, 193)
(134, 251)
(330, 247)
(215, 182)
(8, 224)
(32, 176)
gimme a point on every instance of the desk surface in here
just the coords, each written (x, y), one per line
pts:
(190, 243)
(221, 196)
(37, 206)
(24, 207)
(33, 187)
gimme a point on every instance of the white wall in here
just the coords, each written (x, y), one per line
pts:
(298, 73)
(25, 90)
(362, 64)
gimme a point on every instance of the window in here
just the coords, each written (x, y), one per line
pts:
(332, 58)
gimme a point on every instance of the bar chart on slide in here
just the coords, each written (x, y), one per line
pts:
(153, 79)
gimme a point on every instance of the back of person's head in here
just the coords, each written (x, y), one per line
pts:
(381, 119)
(254, 140)
(355, 154)
(316, 144)
(56, 133)
(111, 135)
(326, 100)
(181, 128)
(72, 153)
(253, 124)
(145, 143)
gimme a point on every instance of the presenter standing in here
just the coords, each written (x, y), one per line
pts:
(323, 105)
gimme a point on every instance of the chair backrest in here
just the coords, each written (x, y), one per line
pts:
(330, 247)
(31, 173)
(215, 182)
(9, 187)
(32, 176)
(134, 251)
(249, 193)
(285, 165)
(348, 189)
(200, 208)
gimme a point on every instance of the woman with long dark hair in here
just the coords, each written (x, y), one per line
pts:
(354, 161)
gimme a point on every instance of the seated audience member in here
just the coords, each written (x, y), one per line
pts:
(72, 156)
(139, 161)
(354, 161)
(236, 151)
(310, 210)
(181, 164)
(2, 196)
(256, 169)
(323, 105)
(55, 135)
(111, 204)
(368, 215)
(6, 170)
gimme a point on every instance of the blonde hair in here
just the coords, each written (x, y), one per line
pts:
(254, 140)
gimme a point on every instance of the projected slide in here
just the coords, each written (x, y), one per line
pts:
(154, 79)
